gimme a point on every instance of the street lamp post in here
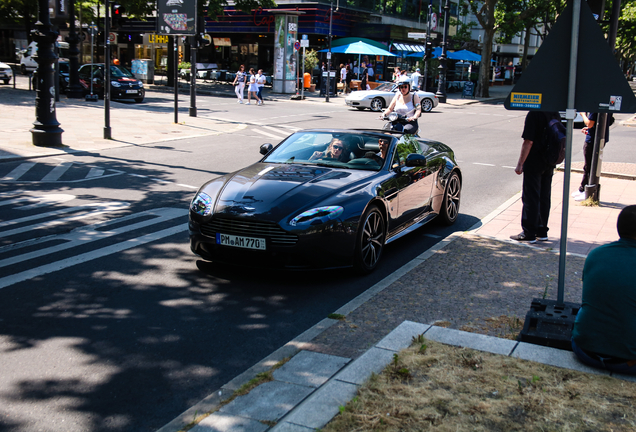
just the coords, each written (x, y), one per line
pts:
(329, 53)
(441, 88)
(107, 129)
(428, 41)
(46, 129)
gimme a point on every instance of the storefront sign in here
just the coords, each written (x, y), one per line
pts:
(157, 39)
(222, 42)
(260, 20)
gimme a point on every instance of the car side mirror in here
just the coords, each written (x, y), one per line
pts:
(266, 148)
(415, 160)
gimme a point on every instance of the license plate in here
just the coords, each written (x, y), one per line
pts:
(131, 91)
(240, 241)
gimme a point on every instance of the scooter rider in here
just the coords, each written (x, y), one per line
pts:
(407, 104)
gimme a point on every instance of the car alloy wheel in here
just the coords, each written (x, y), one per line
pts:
(377, 105)
(371, 236)
(427, 105)
(452, 196)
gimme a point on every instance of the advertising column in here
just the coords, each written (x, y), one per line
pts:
(284, 55)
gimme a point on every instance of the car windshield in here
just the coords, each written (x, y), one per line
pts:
(334, 149)
(385, 87)
(120, 72)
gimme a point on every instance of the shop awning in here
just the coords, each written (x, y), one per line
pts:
(408, 47)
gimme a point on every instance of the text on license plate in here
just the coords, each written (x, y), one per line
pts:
(131, 91)
(240, 241)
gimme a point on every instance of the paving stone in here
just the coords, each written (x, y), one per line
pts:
(269, 401)
(553, 357)
(308, 368)
(323, 405)
(471, 340)
(227, 423)
(374, 360)
(402, 336)
(290, 427)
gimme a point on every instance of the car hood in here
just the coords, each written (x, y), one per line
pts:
(363, 94)
(274, 191)
(4, 66)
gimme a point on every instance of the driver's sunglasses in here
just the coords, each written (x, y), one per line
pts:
(337, 147)
(384, 141)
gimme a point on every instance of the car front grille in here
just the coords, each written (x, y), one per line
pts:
(249, 228)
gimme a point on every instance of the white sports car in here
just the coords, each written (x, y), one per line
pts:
(381, 97)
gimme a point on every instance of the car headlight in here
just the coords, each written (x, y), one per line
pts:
(317, 215)
(140, 84)
(202, 204)
(393, 116)
(115, 84)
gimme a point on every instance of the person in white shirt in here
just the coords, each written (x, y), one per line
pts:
(415, 79)
(260, 81)
(239, 83)
(343, 76)
(253, 89)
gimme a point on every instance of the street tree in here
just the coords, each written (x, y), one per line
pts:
(20, 12)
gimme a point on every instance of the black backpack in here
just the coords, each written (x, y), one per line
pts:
(554, 138)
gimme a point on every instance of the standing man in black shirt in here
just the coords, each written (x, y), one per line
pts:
(537, 179)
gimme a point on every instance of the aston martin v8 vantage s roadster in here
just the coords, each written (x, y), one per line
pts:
(325, 199)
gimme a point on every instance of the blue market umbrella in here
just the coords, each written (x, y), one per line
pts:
(360, 48)
(466, 55)
(437, 51)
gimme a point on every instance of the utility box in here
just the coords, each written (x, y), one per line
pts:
(333, 87)
(144, 70)
(549, 323)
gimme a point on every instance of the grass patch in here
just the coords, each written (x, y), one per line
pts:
(503, 326)
(458, 389)
(336, 316)
(589, 202)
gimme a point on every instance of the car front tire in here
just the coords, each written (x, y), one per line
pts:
(370, 240)
(452, 196)
(427, 105)
(377, 104)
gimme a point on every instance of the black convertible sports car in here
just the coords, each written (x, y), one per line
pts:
(325, 199)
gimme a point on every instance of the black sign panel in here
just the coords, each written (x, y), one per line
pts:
(176, 17)
(58, 9)
(600, 84)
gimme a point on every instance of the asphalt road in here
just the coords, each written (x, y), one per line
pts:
(109, 323)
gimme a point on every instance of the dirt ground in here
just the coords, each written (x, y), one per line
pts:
(432, 386)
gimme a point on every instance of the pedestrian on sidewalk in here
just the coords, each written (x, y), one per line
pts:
(537, 178)
(253, 88)
(239, 83)
(589, 130)
(343, 76)
(604, 333)
(348, 78)
(364, 77)
(261, 79)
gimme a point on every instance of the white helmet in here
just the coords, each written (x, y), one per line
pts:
(404, 80)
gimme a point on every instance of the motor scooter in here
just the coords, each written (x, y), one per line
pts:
(395, 122)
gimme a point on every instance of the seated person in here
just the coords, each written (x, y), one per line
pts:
(336, 150)
(604, 334)
(380, 156)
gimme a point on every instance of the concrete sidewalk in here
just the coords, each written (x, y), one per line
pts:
(447, 294)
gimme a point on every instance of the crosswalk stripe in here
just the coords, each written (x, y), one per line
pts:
(89, 256)
(89, 234)
(269, 135)
(294, 128)
(57, 172)
(18, 172)
(95, 172)
(276, 130)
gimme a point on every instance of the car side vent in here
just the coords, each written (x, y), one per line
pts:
(273, 232)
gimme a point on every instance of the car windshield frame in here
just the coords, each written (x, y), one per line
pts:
(387, 87)
(120, 72)
(311, 148)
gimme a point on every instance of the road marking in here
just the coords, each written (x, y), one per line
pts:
(89, 256)
(99, 208)
(285, 135)
(511, 167)
(90, 234)
(294, 128)
(269, 135)
(187, 186)
(484, 164)
(18, 172)
(57, 172)
(40, 201)
(95, 172)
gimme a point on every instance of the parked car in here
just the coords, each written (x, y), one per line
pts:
(294, 210)
(64, 68)
(27, 58)
(578, 120)
(123, 84)
(381, 97)
(6, 73)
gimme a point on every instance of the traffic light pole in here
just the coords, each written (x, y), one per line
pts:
(329, 54)
(427, 52)
(194, 44)
(107, 130)
(176, 80)
(441, 88)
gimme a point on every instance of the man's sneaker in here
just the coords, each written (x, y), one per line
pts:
(580, 196)
(542, 239)
(240, 101)
(522, 238)
(248, 103)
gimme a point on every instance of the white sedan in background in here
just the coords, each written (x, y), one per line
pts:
(380, 98)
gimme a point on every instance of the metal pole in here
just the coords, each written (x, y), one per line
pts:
(46, 129)
(107, 131)
(74, 89)
(593, 187)
(441, 88)
(428, 40)
(302, 87)
(176, 80)
(329, 53)
(193, 76)
(570, 113)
